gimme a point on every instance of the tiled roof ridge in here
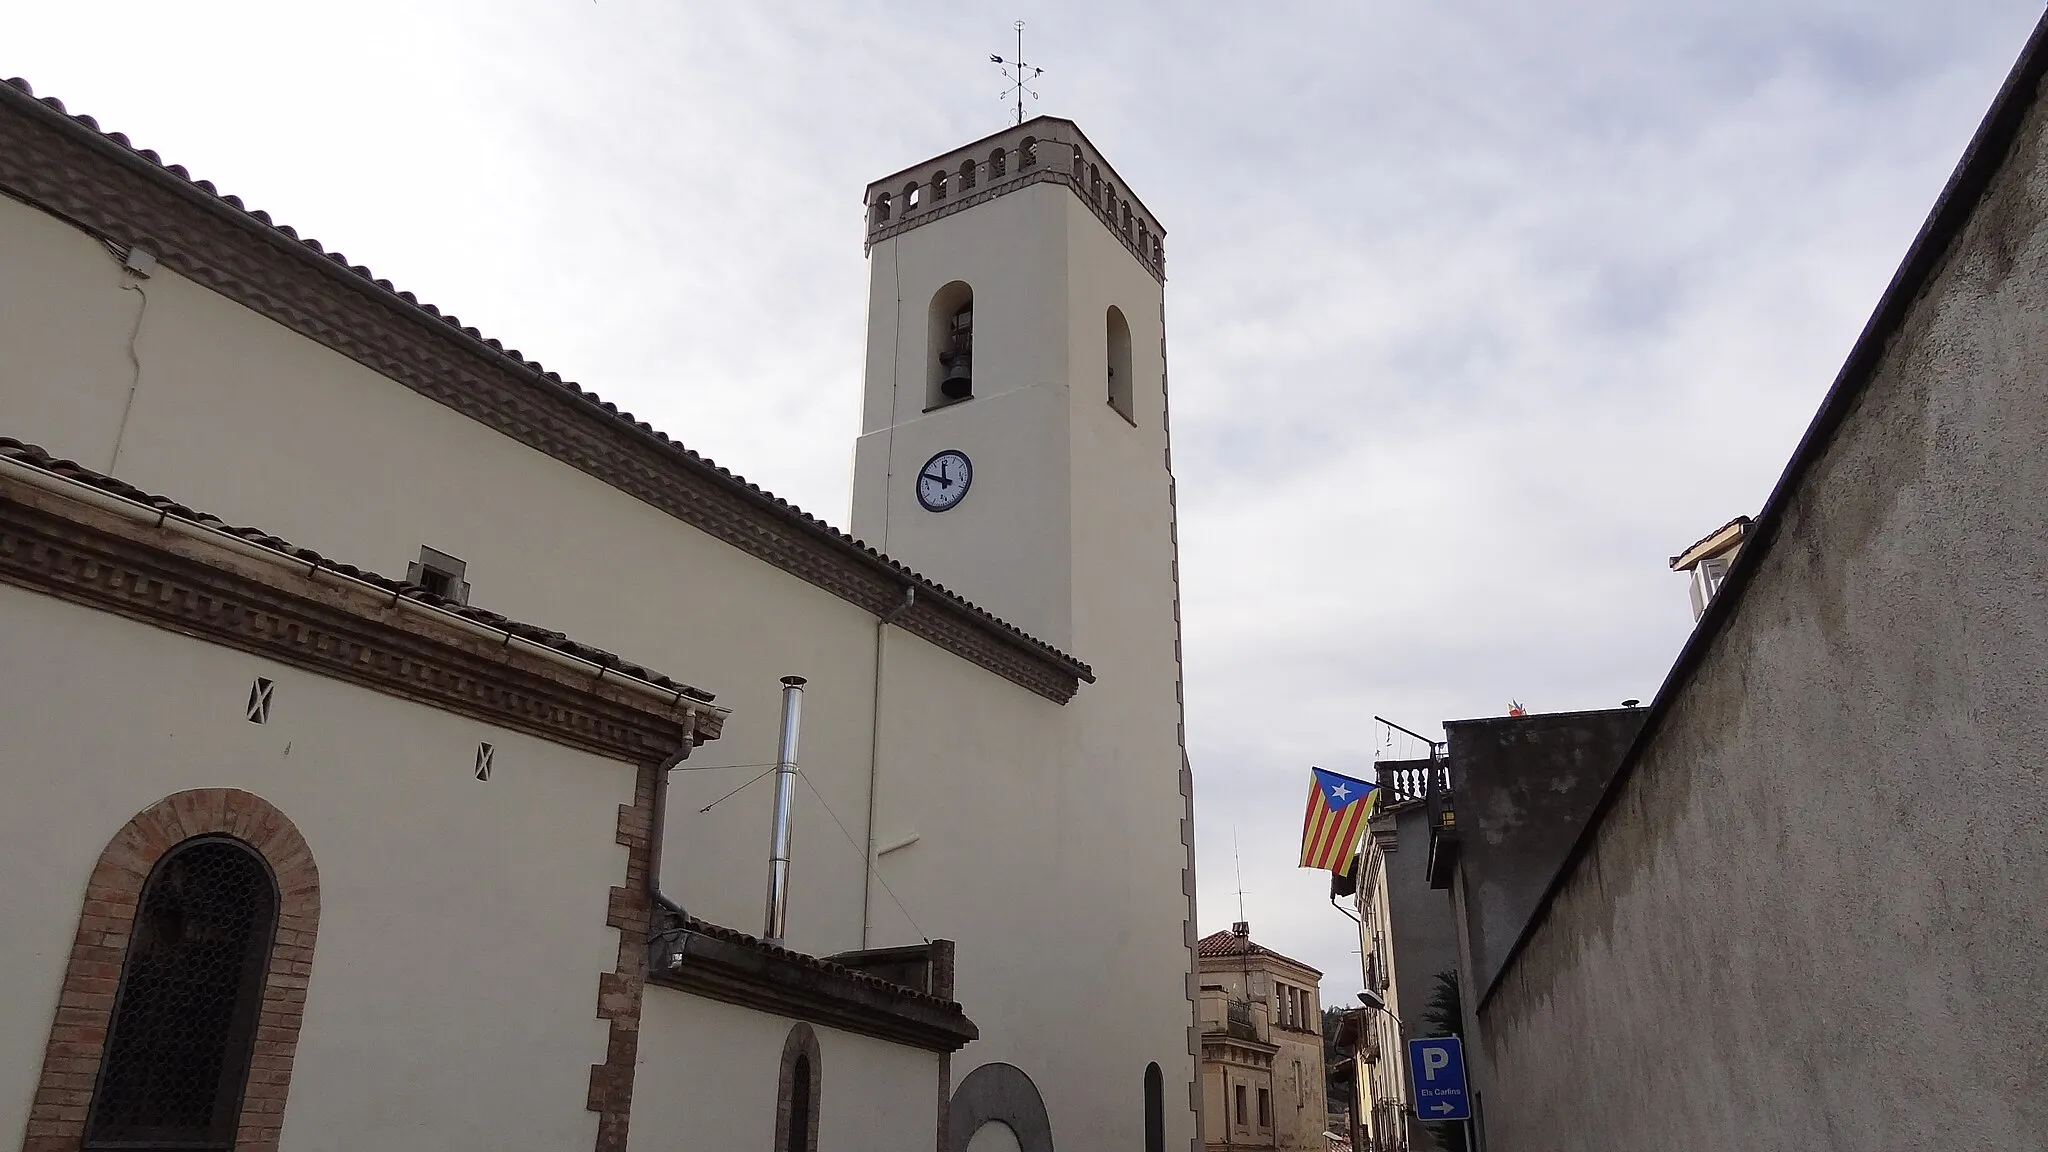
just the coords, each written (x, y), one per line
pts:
(768, 501)
(36, 457)
(741, 939)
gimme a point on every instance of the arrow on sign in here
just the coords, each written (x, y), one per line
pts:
(1441, 1107)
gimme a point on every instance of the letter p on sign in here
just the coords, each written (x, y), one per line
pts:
(1434, 1060)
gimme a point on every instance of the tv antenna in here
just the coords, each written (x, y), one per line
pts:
(1239, 857)
(1019, 74)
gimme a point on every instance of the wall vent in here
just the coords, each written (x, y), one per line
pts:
(258, 711)
(484, 753)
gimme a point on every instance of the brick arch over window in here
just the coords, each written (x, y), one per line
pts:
(71, 1062)
(798, 1092)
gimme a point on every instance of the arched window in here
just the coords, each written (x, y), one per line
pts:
(798, 1094)
(1095, 184)
(1125, 208)
(998, 163)
(1077, 162)
(938, 185)
(1028, 154)
(1155, 1109)
(949, 360)
(913, 197)
(882, 209)
(1121, 390)
(967, 174)
(177, 1052)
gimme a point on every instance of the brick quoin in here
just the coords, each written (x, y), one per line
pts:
(620, 992)
(71, 1061)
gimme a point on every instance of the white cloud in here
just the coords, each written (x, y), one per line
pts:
(1478, 312)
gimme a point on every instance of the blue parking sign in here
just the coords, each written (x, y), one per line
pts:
(1437, 1065)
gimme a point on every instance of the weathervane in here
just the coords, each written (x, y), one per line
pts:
(1018, 73)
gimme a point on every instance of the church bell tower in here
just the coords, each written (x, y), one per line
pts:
(1014, 448)
(1014, 420)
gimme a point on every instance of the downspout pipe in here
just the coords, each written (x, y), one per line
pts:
(777, 914)
(658, 821)
(867, 880)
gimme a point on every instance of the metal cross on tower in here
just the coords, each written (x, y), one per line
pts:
(1019, 74)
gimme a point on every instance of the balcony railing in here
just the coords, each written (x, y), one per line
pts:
(1237, 1020)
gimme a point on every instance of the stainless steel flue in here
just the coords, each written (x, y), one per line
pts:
(785, 805)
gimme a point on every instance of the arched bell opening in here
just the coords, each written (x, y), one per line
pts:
(949, 361)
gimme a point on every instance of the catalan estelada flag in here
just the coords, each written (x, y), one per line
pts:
(1338, 808)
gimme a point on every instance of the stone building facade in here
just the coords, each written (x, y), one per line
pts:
(1263, 1082)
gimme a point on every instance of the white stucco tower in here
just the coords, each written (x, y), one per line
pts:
(1014, 448)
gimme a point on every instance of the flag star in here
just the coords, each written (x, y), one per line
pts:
(1340, 791)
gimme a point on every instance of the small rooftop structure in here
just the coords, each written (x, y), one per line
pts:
(1708, 559)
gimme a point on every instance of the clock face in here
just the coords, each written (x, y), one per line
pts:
(943, 480)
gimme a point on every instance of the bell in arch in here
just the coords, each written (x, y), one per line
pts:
(958, 383)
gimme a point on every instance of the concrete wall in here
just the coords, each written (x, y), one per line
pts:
(1813, 916)
(462, 927)
(1523, 787)
(709, 1073)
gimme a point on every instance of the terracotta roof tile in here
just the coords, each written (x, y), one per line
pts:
(1222, 945)
(804, 959)
(36, 457)
(683, 455)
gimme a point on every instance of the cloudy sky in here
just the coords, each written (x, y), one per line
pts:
(1480, 310)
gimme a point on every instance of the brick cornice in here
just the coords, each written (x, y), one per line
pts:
(352, 632)
(67, 167)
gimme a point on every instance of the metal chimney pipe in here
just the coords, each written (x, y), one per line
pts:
(785, 804)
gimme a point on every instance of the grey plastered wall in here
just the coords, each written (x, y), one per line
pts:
(1425, 938)
(1812, 916)
(1524, 787)
(1425, 935)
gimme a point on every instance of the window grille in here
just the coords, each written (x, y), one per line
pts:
(797, 1139)
(177, 1054)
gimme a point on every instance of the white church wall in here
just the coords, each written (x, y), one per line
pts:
(709, 1073)
(1049, 845)
(1123, 734)
(232, 405)
(462, 926)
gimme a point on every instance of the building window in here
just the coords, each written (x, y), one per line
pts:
(1265, 1108)
(798, 1093)
(177, 1054)
(1155, 1109)
(1120, 382)
(1240, 1104)
(949, 366)
(440, 574)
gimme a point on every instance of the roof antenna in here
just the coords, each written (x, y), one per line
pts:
(1240, 927)
(1018, 73)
